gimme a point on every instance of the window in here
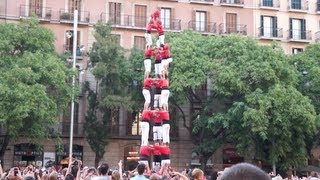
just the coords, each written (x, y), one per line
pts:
(115, 13)
(139, 42)
(67, 118)
(268, 3)
(166, 17)
(134, 123)
(297, 28)
(75, 5)
(69, 40)
(140, 18)
(200, 21)
(231, 23)
(35, 7)
(269, 27)
(297, 50)
(318, 5)
(296, 4)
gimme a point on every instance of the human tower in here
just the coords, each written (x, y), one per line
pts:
(158, 111)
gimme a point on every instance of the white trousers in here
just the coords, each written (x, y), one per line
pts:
(148, 39)
(158, 68)
(147, 96)
(164, 97)
(157, 101)
(157, 133)
(147, 65)
(144, 133)
(166, 133)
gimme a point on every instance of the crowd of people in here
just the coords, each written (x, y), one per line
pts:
(77, 171)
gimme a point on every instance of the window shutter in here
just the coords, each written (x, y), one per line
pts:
(303, 29)
(208, 25)
(275, 26)
(290, 28)
(261, 26)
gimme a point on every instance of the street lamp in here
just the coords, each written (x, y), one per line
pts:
(75, 30)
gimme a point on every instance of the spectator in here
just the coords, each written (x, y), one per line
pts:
(197, 174)
(244, 171)
(140, 168)
(103, 170)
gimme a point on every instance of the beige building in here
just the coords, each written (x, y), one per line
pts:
(292, 23)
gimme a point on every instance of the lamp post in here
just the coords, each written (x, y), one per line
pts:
(74, 55)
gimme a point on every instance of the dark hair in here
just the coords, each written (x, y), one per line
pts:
(28, 178)
(141, 167)
(103, 169)
(244, 171)
(69, 177)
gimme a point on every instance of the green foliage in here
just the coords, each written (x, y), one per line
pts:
(254, 102)
(34, 81)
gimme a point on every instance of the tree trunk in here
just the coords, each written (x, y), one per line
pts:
(4, 146)
(203, 160)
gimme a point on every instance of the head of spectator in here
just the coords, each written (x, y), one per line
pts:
(53, 176)
(244, 171)
(115, 175)
(28, 178)
(154, 176)
(141, 168)
(69, 177)
(103, 169)
(197, 174)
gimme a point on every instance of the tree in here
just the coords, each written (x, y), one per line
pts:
(113, 72)
(34, 81)
(245, 106)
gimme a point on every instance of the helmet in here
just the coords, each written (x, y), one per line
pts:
(156, 13)
(166, 46)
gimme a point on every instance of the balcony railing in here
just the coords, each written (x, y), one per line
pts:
(202, 1)
(269, 4)
(232, 28)
(317, 36)
(298, 35)
(66, 15)
(38, 11)
(298, 5)
(270, 32)
(139, 22)
(232, 2)
(205, 27)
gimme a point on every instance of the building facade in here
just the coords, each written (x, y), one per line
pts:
(292, 23)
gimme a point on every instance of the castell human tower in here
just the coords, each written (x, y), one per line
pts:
(158, 112)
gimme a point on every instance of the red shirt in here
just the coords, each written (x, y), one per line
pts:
(147, 83)
(150, 25)
(157, 83)
(145, 150)
(148, 53)
(164, 83)
(159, 27)
(166, 51)
(156, 152)
(164, 150)
(155, 14)
(146, 115)
(157, 56)
(165, 115)
(156, 116)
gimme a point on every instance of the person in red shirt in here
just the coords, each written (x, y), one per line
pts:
(144, 154)
(164, 93)
(157, 94)
(147, 61)
(146, 116)
(165, 115)
(157, 65)
(158, 26)
(156, 164)
(165, 153)
(166, 60)
(157, 127)
(147, 34)
(146, 91)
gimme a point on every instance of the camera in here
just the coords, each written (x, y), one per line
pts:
(15, 170)
(75, 163)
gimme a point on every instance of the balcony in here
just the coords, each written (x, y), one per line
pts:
(298, 35)
(238, 3)
(210, 2)
(203, 27)
(269, 4)
(270, 33)
(63, 128)
(317, 36)
(67, 16)
(137, 22)
(298, 6)
(43, 13)
(232, 28)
